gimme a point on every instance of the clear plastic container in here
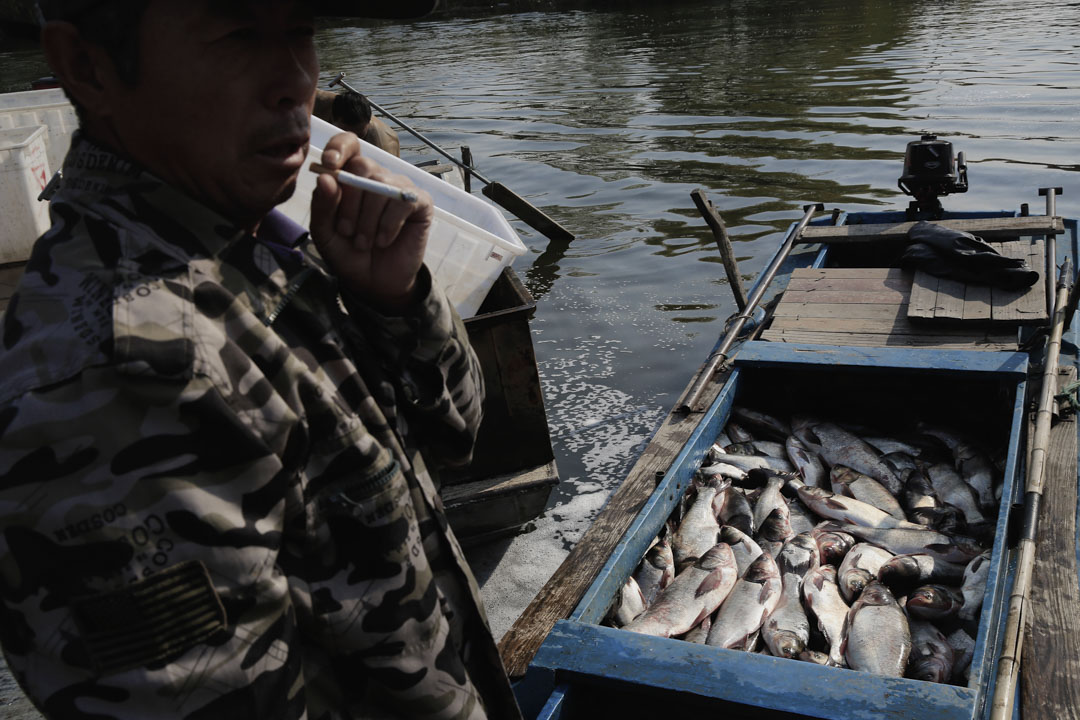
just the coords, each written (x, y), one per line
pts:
(470, 242)
(24, 172)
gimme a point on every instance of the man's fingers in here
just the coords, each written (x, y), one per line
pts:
(324, 203)
(340, 150)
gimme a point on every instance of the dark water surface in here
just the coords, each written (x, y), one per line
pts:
(608, 120)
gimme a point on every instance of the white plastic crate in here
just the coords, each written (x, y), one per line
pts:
(24, 172)
(470, 242)
(42, 107)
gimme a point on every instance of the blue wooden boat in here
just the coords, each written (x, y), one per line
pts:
(899, 370)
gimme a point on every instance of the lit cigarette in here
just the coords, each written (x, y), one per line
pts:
(366, 184)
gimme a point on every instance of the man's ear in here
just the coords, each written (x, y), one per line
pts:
(85, 70)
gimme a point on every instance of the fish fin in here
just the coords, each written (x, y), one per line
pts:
(711, 582)
(832, 502)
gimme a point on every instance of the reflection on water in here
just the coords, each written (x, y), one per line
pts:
(608, 119)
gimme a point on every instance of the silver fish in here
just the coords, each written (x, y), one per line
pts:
(934, 602)
(723, 470)
(762, 423)
(742, 545)
(723, 440)
(911, 541)
(978, 472)
(802, 520)
(839, 447)
(932, 658)
(813, 656)
(771, 499)
(837, 507)
(746, 448)
(851, 483)
(694, 594)
(787, 630)
(754, 462)
(775, 532)
(770, 448)
(951, 488)
(974, 587)
(806, 463)
(629, 604)
(738, 433)
(878, 637)
(860, 568)
(699, 528)
(904, 573)
(887, 446)
(656, 571)
(963, 646)
(750, 602)
(944, 518)
(824, 601)
(919, 492)
(700, 632)
(799, 556)
(833, 544)
(738, 512)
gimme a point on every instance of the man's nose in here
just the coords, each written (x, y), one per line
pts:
(292, 73)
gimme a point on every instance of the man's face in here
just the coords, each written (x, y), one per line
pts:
(222, 103)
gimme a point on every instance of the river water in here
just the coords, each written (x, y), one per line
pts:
(608, 119)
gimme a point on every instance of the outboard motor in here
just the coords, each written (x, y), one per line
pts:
(929, 172)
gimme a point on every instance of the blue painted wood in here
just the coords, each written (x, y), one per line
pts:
(999, 581)
(757, 354)
(584, 653)
(553, 709)
(628, 553)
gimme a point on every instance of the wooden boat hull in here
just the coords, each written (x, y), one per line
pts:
(583, 667)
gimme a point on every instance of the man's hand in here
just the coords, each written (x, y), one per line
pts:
(373, 244)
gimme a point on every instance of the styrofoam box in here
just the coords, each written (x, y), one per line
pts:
(24, 172)
(42, 107)
(470, 241)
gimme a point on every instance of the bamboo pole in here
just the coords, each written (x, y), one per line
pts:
(1019, 601)
(723, 243)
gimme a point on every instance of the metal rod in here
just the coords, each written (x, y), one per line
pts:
(340, 80)
(1019, 602)
(717, 358)
(1051, 194)
(497, 192)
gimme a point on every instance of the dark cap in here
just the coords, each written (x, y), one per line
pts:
(72, 9)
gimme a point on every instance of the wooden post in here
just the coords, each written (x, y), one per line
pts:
(723, 242)
(466, 159)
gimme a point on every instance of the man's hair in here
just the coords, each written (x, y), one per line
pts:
(113, 25)
(352, 108)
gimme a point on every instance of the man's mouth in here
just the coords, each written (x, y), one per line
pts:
(287, 154)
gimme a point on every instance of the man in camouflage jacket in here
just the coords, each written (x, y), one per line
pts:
(214, 434)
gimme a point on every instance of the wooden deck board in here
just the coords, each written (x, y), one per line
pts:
(986, 228)
(947, 300)
(1050, 681)
(822, 307)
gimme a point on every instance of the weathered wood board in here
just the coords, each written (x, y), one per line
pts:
(986, 228)
(1050, 681)
(870, 307)
(944, 299)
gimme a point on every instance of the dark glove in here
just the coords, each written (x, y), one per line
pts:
(944, 252)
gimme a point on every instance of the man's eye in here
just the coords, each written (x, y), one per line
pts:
(305, 31)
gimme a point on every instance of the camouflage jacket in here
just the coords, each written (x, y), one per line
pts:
(214, 501)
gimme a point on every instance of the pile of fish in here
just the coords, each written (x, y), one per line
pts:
(826, 543)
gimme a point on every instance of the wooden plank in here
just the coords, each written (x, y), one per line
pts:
(986, 228)
(1027, 305)
(884, 296)
(557, 599)
(865, 311)
(994, 342)
(1050, 680)
(896, 326)
(849, 284)
(977, 303)
(923, 300)
(950, 299)
(848, 273)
